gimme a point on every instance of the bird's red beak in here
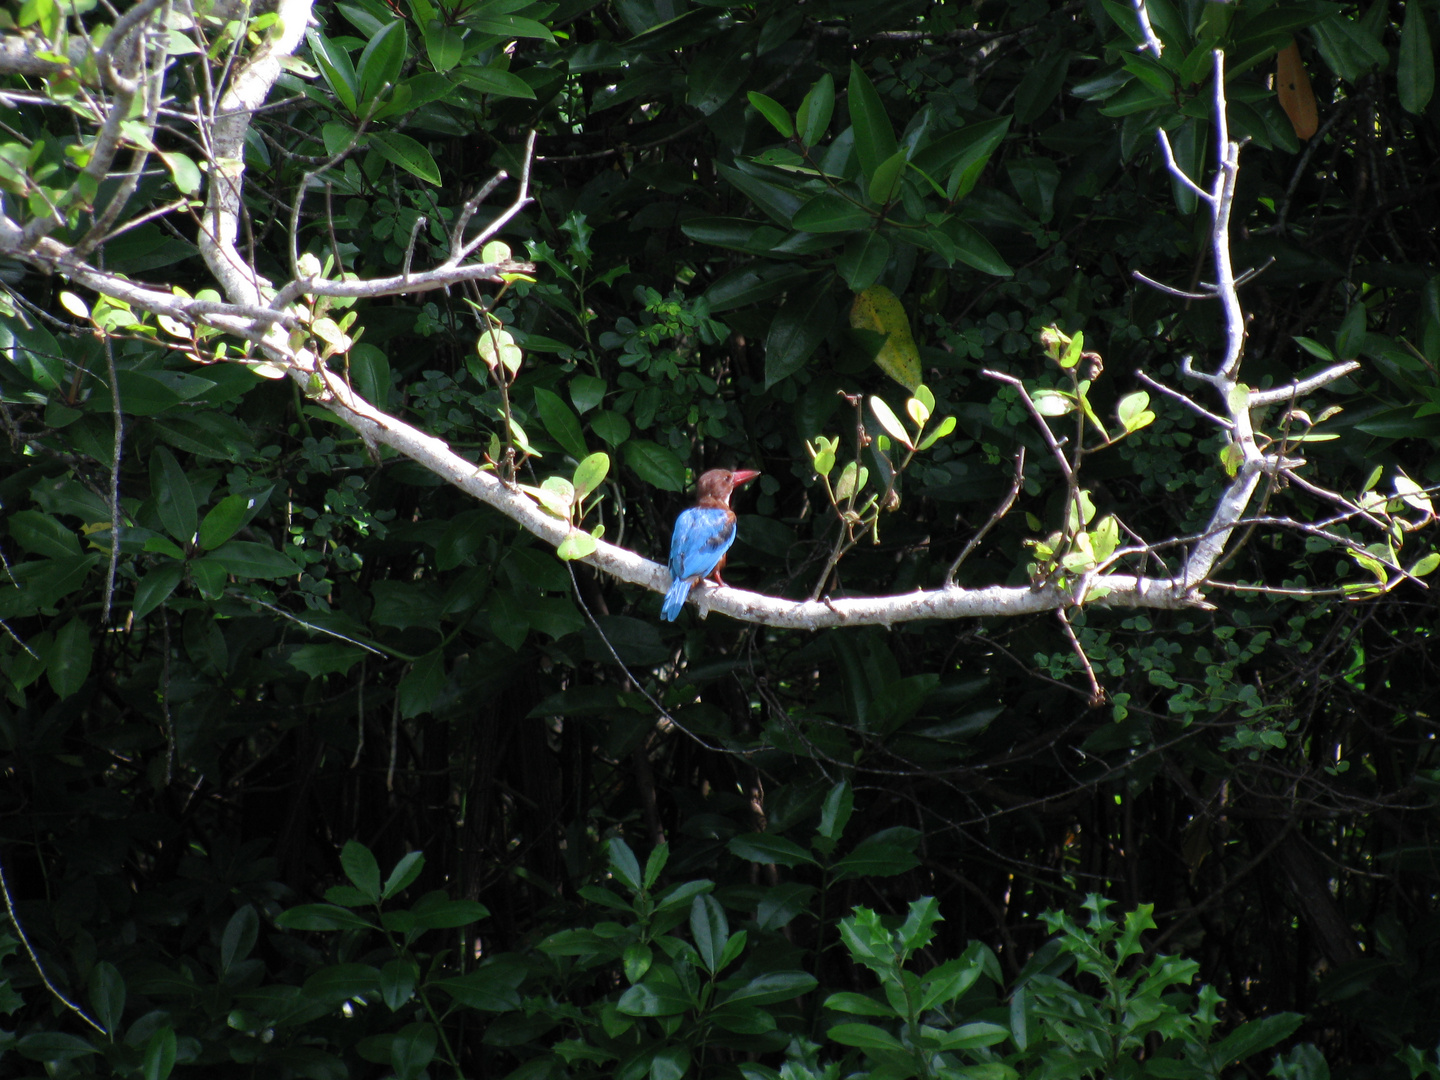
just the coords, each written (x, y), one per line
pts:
(743, 476)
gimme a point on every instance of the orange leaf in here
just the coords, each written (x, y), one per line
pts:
(1292, 84)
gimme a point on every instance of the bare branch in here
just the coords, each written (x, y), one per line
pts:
(1170, 289)
(1152, 43)
(1179, 173)
(1192, 405)
(1302, 386)
(1055, 449)
(1000, 512)
(522, 197)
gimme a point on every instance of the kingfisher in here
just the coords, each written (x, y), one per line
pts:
(703, 534)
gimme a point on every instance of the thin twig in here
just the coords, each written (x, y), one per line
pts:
(35, 960)
(1194, 406)
(118, 418)
(1097, 695)
(1049, 435)
(1000, 511)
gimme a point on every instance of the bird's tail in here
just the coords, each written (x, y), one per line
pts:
(675, 598)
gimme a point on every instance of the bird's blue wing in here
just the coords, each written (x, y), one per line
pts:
(702, 535)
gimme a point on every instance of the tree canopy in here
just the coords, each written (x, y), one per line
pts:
(1074, 713)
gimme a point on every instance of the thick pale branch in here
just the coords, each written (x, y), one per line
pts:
(1302, 386)
(247, 91)
(377, 428)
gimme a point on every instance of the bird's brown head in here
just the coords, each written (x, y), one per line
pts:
(718, 483)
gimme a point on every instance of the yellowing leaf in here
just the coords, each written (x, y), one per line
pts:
(879, 309)
(1292, 87)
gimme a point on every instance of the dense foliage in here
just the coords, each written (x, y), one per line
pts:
(231, 728)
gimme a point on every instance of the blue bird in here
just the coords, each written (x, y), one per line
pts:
(703, 534)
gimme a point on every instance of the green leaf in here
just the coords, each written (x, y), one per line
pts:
(421, 686)
(159, 1057)
(370, 373)
(43, 534)
(436, 911)
(974, 1035)
(799, 326)
(874, 137)
(1134, 411)
(576, 545)
(774, 112)
(590, 474)
(224, 520)
(742, 1019)
(813, 118)
(183, 171)
(107, 995)
(971, 248)
(336, 68)
(866, 1037)
(883, 855)
(397, 982)
(655, 465)
(852, 479)
(322, 917)
(623, 864)
(412, 1049)
(1348, 49)
(752, 284)
(494, 81)
(174, 498)
(940, 431)
(836, 809)
(829, 212)
(714, 74)
(863, 260)
(1350, 338)
(508, 26)
(1416, 71)
(780, 203)
(587, 392)
(765, 848)
(946, 983)
(1053, 402)
(1426, 564)
(360, 867)
(444, 45)
(155, 588)
(885, 184)
(654, 998)
(402, 150)
(890, 422)
(561, 422)
(404, 874)
(239, 937)
(248, 559)
(858, 1005)
(340, 982)
(380, 64)
(53, 1046)
(70, 656)
(1252, 1037)
(710, 931)
(773, 987)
